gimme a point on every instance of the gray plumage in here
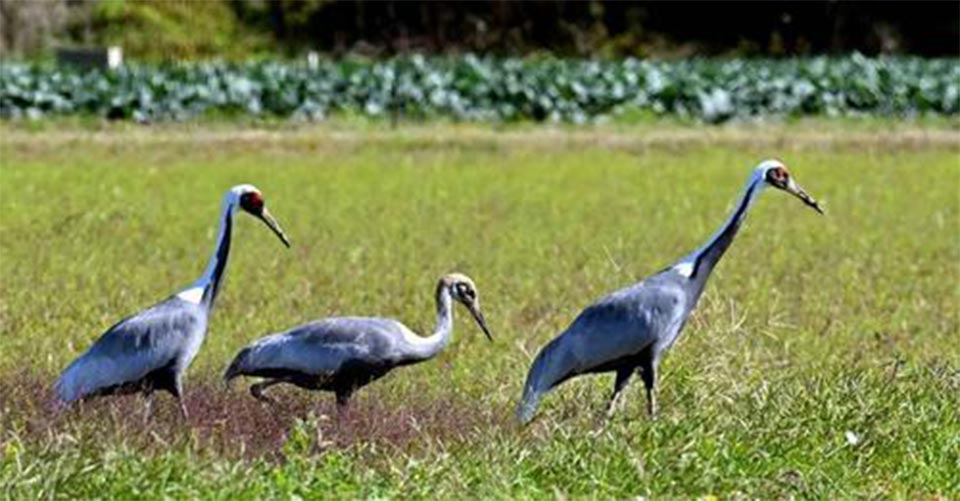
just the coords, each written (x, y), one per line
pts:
(343, 354)
(151, 350)
(628, 331)
(148, 351)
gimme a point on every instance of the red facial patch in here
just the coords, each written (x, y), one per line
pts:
(252, 201)
(256, 200)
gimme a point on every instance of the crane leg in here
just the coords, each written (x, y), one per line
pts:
(343, 406)
(617, 399)
(649, 375)
(147, 405)
(257, 390)
(178, 394)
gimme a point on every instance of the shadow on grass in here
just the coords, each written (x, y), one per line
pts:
(230, 423)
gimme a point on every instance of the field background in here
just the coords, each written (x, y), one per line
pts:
(822, 361)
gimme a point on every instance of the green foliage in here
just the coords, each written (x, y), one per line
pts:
(175, 30)
(812, 327)
(487, 89)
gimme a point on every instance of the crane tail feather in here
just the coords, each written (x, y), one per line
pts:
(60, 392)
(236, 367)
(536, 385)
(528, 407)
(70, 386)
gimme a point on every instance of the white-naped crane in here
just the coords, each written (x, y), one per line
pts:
(343, 354)
(151, 350)
(628, 331)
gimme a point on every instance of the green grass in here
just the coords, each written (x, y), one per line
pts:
(811, 327)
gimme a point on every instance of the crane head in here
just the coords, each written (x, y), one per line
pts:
(463, 290)
(250, 199)
(774, 173)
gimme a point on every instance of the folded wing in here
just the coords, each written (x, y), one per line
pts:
(132, 349)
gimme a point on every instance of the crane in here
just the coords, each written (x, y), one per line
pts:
(343, 354)
(151, 350)
(628, 331)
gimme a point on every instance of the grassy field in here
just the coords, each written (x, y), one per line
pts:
(823, 360)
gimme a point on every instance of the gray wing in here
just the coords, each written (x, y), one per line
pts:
(134, 347)
(611, 331)
(322, 347)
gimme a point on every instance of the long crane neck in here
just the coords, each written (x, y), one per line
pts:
(204, 290)
(424, 348)
(698, 265)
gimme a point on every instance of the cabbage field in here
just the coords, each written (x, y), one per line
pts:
(474, 88)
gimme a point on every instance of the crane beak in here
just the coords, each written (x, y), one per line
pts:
(478, 316)
(272, 223)
(795, 189)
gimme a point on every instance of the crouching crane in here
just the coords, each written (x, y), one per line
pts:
(344, 354)
(628, 331)
(151, 350)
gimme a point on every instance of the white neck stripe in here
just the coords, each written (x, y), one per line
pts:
(194, 293)
(755, 185)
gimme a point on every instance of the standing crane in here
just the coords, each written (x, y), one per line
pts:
(344, 354)
(152, 349)
(629, 330)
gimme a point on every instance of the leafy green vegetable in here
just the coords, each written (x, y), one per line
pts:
(483, 89)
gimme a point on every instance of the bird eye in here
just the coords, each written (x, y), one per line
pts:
(464, 291)
(777, 176)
